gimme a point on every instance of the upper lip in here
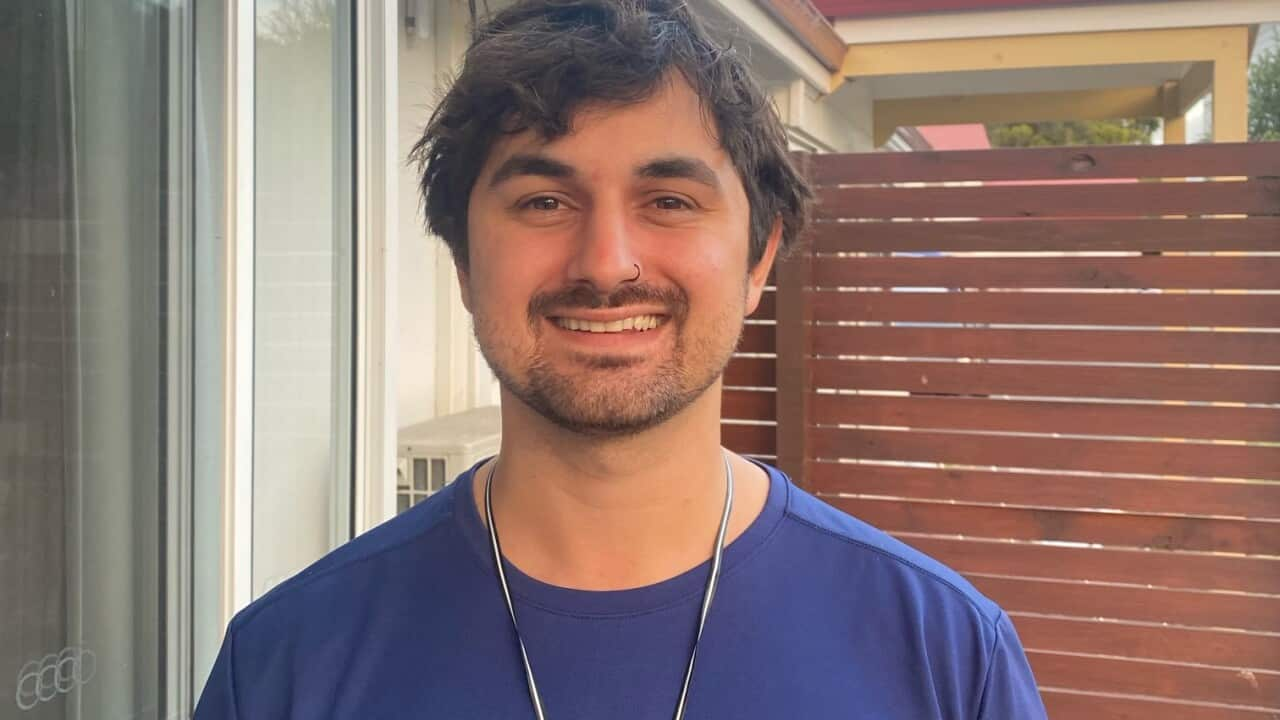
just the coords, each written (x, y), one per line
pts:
(606, 314)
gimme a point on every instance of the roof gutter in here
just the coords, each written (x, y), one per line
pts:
(807, 25)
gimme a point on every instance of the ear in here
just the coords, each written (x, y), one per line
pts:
(464, 286)
(759, 275)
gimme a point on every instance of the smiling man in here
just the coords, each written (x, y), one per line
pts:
(614, 189)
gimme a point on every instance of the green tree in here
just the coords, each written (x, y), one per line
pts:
(1073, 132)
(1264, 93)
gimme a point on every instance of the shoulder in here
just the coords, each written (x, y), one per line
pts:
(301, 635)
(926, 629)
(909, 572)
(347, 572)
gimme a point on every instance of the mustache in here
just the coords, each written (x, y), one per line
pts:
(586, 297)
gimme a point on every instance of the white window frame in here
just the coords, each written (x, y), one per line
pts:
(376, 241)
(238, 291)
(366, 497)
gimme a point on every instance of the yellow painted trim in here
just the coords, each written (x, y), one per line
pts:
(880, 134)
(1175, 122)
(1231, 99)
(1231, 89)
(1041, 51)
(1170, 91)
(1193, 86)
(1014, 107)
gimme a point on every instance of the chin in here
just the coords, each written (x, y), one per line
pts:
(610, 407)
(603, 409)
(605, 427)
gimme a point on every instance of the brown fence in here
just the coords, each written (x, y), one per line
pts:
(1057, 371)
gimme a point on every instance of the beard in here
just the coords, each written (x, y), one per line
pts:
(602, 395)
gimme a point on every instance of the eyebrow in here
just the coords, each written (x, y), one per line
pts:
(680, 167)
(686, 168)
(524, 164)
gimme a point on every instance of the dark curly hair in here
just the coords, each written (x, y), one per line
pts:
(531, 65)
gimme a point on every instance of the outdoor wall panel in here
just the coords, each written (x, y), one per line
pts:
(1058, 372)
(1123, 162)
(1105, 199)
(1060, 380)
(1219, 234)
(1054, 308)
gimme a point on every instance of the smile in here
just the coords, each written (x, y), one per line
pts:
(637, 323)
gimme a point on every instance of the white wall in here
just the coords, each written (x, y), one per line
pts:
(417, 271)
(299, 368)
(440, 370)
(836, 122)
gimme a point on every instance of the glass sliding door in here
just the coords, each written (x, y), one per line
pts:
(94, 234)
(303, 325)
(115, 327)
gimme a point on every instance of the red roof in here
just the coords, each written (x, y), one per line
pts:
(869, 8)
(955, 137)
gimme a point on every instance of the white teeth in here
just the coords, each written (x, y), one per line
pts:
(636, 323)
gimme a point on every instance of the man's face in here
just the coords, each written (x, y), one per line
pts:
(556, 230)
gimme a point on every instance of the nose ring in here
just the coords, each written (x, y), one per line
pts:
(637, 277)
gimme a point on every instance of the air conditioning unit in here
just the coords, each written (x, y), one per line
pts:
(431, 454)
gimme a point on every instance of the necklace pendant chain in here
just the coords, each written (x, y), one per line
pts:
(713, 577)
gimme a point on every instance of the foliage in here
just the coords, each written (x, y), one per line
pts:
(1264, 94)
(289, 22)
(1073, 132)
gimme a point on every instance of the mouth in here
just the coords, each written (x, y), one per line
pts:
(630, 324)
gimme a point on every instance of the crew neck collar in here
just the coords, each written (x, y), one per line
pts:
(612, 603)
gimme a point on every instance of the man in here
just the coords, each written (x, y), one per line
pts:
(614, 189)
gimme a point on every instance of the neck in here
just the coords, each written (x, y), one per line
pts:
(609, 514)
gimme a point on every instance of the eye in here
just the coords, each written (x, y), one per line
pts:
(671, 203)
(544, 203)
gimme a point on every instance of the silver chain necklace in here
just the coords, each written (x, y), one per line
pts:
(712, 578)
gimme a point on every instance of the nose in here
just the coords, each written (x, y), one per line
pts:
(605, 255)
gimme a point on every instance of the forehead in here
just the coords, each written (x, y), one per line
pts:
(617, 138)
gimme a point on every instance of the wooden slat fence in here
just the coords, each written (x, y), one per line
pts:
(1057, 371)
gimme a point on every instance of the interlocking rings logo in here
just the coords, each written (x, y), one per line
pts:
(40, 681)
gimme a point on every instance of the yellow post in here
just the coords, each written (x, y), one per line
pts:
(1175, 122)
(1231, 89)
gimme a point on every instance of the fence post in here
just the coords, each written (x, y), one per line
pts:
(793, 343)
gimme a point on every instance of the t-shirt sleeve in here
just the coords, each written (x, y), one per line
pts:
(218, 701)
(1010, 692)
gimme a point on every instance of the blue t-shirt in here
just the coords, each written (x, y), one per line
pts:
(817, 616)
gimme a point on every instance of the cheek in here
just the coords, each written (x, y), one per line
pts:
(500, 295)
(714, 269)
(500, 268)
